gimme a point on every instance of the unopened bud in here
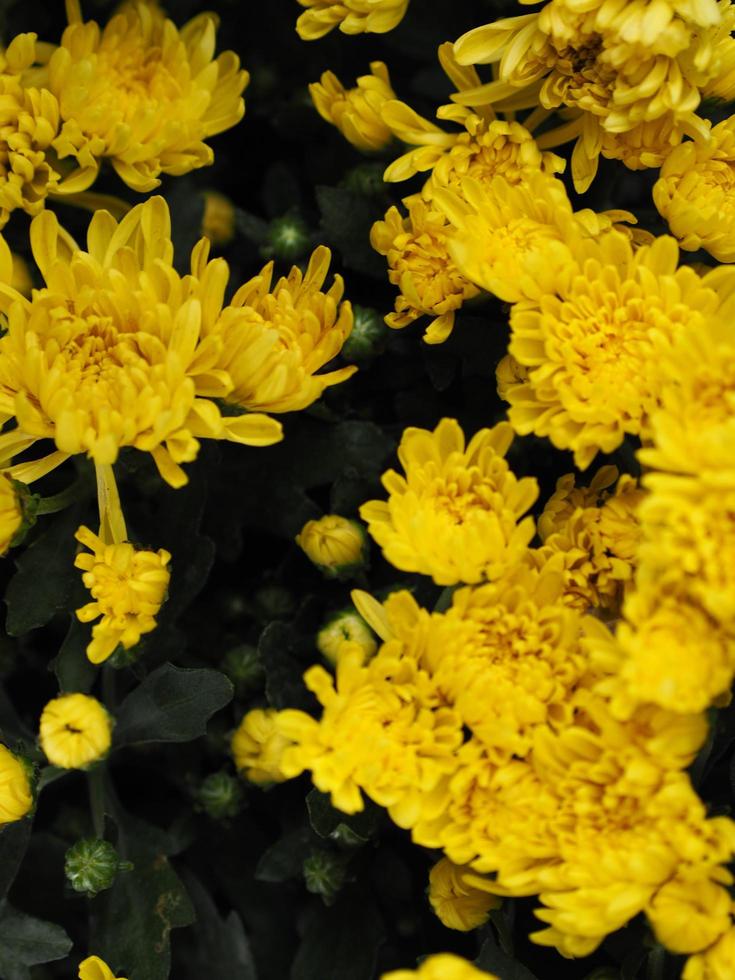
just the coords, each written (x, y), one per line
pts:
(324, 874)
(345, 626)
(91, 865)
(288, 238)
(244, 668)
(368, 337)
(336, 545)
(220, 795)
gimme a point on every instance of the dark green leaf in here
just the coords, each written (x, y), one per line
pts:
(25, 942)
(493, 959)
(73, 670)
(221, 948)
(284, 859)
(14, 840)
(172, 705)
(284, 687)
(340, 941)
(347, 218)
(45, 576)
(133, 921)
(328, 822)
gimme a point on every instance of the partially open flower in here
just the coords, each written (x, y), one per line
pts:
(356, 112)
(75, 731)
(335, 544)
(351, 16)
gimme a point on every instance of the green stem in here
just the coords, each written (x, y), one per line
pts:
(62, 500)
(656, 964)
(96, 783)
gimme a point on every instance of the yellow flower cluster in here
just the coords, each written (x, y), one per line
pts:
(351, 16)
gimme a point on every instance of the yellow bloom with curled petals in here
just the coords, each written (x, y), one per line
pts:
(16, 798)
(690, 915)
(334, 544)
(419, 263)
(142, 93)
(714, 963)
(117, 349)
(456, 900)
(75, 731)
(441, 966)
(258, 746)
(351, 16)
(128, 586)
(93, 968)
(457, 513)
(356, 112)
(596, 532)
(592, 336)
(695, 193)
(275, 338)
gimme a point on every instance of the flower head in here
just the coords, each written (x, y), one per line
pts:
(714, 963)
(456, 899)
(93, 968)
(419, 263)
(128, 586)
(356, 112)
(441, 966)
(16, 798)
(258, 746)
(689, 915)
(75, 731)
(142, 93)
(335, 544)
(351, 16)
(456, 514)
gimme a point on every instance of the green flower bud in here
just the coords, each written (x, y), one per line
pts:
(366, 179)
(324, 874)
(288, 238)
(368, 336)
(220, 795)
(349, 626)
(244, 668)
(274, 602)
(91, 865)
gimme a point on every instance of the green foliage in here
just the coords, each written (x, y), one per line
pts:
(26, 942)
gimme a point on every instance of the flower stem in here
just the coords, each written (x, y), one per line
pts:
(62, 500)
(96, 783)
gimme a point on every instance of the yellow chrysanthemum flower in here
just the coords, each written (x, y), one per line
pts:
(714, 963)
(456, 899)
(276, 337)
(334, 544)
(597, 533)
(419, 263)
(142, 93)
(620, 66)
(75, 731)
(16, 798)
(696, 193)
(590, 339)
(344, 631)
(258, 746)
(441, 966)
(351, 16)
(456, 514)
(117, 349)
(128, 586)
(93, 968)
(690, 915)
(357, 112)
(11, 512)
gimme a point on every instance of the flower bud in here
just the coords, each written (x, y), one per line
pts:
(273, 602)
(91, 865)
(345, 627)
(288, 238)
(244, 668)
(218, 220)
(75, 731)
(220, 795)
(368, 336)
(324, 874)
(365, 179)
(17, 512)
(336, 545)
(258, 746)
(93, 968)
(16, 796)
(356, 112)
(456, 898)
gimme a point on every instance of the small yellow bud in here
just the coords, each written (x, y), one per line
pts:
(456, 900)
(336, 545)
(356, 111)
(11, 511)
(16, 798)
(218, 220)
(257, 747)
(93, 968)
(75, 731)
(345, 627)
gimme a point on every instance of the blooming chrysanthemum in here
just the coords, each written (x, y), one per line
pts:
(335, 544)
(356, 112)
(128, 586)
(696, 193)
(275, 338)
(714, 963)
(93, 968)
(456, 899)
(258, 746)
(351, 16)
(142, 93)
(620, 66)
(75, 731)
(420, 265)
(457, 514)
(378, 732)
(112, 353)
(16, 797)
(591, 337)
(597, 533)
(441, 966)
